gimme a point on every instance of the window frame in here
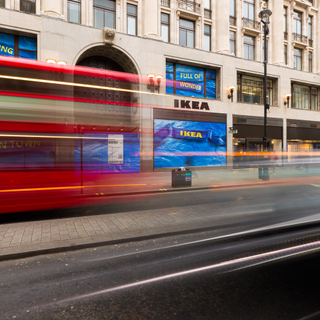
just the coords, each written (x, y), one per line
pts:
(254, 88)
(33, 2)
(134, 17)
(208, 35)
(247, 4)
(249, 46)
(295, 57)
(234, 41)
(186, 29)
(78, 2)
(297, 22)
(311, 96)
(104, 9)
(165, 24)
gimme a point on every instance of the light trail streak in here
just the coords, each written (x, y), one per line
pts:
(250, 260)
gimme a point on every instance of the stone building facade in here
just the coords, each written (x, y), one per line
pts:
(222, 36)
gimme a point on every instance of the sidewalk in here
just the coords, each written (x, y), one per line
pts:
(31, 238)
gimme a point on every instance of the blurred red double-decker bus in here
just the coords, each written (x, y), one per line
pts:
(64, 133)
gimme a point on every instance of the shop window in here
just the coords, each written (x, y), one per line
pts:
(2, 3)
(74, 11)
(104, 13)
(186, 33)
(132, 19)
(305, 97)
(207, 37)
(190, 81)
(165, 27)
(28, 6)
(250, 90)
(18, 46)
(232, 40)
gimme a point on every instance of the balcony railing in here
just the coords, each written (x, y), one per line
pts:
(165, 3)
(189, 5)
(232, 21)
(207, 13)
(300, 38)
(310, 43)
(285, 35)
(248, 23)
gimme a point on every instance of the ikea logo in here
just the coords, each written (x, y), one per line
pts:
(6, 49)
(190, 134)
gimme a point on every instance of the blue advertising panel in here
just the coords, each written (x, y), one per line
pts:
(109, 153)
(189, 143)
(28, 48)
(190, 81)
(6, 45)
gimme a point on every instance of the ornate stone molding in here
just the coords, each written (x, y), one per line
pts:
(108, 35)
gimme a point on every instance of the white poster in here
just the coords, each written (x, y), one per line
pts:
(115, 148)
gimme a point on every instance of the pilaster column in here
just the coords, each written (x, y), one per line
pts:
(277, 32)
(222, 9)
(52, 8)
(151, 18)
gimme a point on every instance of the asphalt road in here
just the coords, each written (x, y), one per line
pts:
(170, 278)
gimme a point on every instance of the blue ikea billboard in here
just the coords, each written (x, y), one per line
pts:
(189, 143)
(190, 81)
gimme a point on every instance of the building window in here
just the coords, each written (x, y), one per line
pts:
(207, 37)
(28, 6)
(310, 31)
(297, 23)
(310, 61)
(18, 46)
(248, 47)
(186, 33)
(190, 81)
(2, 3)
(74, 11)
(232, 40)
(305, 97)
(132, 19)
(165, 27)
(285, 22)
(285, 51)
(250, 90)
(104, 14)
(207, 9)
(248, 9)
(297, 59)
(232, 12)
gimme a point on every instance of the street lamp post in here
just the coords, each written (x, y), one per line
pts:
(264, 15)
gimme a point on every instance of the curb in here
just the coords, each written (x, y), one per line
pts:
(245, 235)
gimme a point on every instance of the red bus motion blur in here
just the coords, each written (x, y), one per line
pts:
(67, 134)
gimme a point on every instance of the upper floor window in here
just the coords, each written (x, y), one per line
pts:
(305, 97)
(297, 59)
(2, 3)
(104, 13)
(207, 37)
(248, 9)
(190, 81)
(132, 19)
(285, 52)
(28, 6)
(250, 89)
(285, 19)
(310, 27)
(232, 8)
(74, 11)
(165, 27)
(248, 47)
(297, 22)
(207, 9)
(186, 33)
(310, 61)
(232, 39)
